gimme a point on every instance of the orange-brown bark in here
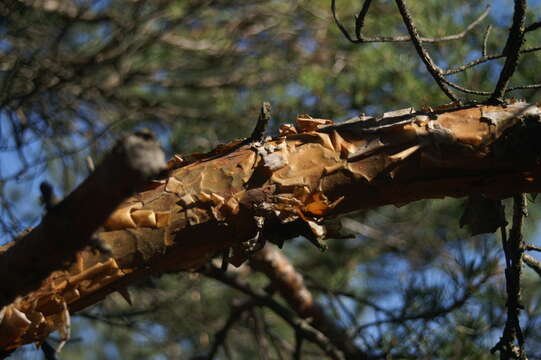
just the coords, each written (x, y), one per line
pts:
(289, 185)
(68, 226)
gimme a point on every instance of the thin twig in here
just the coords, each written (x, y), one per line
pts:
(522, 87)
(47, 196)
(297, 355)
(465, 90)
(533, 263)
(531, 247)
(432, 68)
(359, 24)
(90, 164)
(483, 60)
(485, 40)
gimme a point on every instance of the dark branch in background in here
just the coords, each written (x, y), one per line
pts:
(290, 285)
(513, 249)
(298, 324)
(51, 245)
(406, 315)
(234, 316)
(533, 263)
(511, 50)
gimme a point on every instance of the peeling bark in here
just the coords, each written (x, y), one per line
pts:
(237, 195)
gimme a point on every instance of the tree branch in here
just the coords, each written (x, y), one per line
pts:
(282, 188)
(68, 226)
(511, 50)
(432, 68)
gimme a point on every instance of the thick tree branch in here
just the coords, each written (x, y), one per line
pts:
(287, 186)
(68, 226)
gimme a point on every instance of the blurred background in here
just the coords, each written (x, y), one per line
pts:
(76, 74)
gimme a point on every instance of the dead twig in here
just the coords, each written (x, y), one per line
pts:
(262, 122)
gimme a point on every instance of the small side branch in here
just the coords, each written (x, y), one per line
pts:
(484, 59)
(262, 122)
(485, 40)
(532, 263)
(533, 27)
(531, 247)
